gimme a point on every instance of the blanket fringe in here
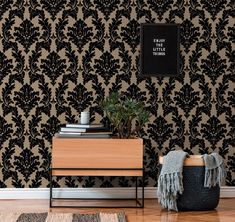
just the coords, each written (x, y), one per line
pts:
(169, 186)
(214, 176)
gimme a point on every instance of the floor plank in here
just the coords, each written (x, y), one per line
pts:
(151, 213)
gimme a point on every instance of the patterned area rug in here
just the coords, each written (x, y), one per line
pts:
(59, 217)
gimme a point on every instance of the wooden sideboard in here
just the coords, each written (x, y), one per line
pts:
(97, 157)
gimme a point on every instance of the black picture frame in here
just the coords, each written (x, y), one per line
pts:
(159, 49)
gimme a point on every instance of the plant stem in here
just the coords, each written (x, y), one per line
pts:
(129, 127)
(120, 130)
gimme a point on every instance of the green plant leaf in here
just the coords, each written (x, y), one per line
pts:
(121, 111)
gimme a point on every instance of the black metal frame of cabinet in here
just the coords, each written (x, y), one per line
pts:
(138, 203)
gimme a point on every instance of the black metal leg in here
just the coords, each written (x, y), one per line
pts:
(136, 190)
(50, 188)
(143, 179)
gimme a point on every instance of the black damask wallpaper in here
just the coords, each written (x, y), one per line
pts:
(58, 58)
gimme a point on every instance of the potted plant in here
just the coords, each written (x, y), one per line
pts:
(122, 112)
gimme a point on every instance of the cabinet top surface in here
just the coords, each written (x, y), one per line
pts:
(100, 139)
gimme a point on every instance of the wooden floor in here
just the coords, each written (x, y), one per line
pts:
(151, 213)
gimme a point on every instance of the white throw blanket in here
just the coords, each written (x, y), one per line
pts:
(170, 181)
(214, 170)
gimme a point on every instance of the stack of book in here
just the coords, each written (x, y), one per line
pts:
(84, 131)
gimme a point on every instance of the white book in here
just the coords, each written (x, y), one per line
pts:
(85, 126)
(82, 135)
(87, 134)
(82, 130)
(72, 129)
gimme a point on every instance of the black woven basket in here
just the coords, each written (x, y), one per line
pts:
(195, 196)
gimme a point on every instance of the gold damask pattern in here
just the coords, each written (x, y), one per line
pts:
(58, 58)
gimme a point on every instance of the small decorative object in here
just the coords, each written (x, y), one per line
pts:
(159, 50)
(122, 111)
(85, 117)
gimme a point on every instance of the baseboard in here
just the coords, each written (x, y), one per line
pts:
(227, 192)
(43, 193)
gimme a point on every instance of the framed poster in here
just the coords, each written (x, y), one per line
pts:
(159, 49)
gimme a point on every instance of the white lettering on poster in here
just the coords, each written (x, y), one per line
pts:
(159, 48)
